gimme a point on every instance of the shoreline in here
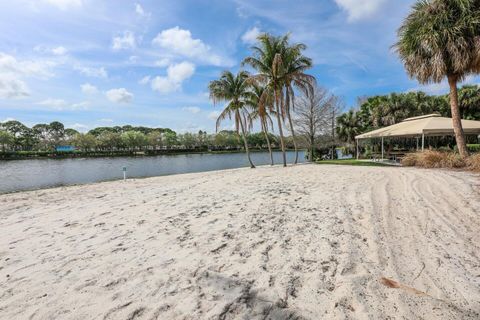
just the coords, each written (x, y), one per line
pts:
(67, 155)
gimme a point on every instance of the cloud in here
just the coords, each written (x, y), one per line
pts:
(11, 88)
(214, 115)
(60, 104)
(126, 41)
(360, 9)
(140, 11)
(193, 110)
(7, 119)
(89, 89)
(58, 51)
(251, 35)
(180, 42)
(12, 72)
(79, 127)
(28, 68)
(144, 80)
(106, 120)
(65, 4)
(120, 95)
(176, 74)
(92, 72)
(162, 62)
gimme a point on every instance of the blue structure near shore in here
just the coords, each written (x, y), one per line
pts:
(65, 148)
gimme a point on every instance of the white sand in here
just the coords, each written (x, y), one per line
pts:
(305, 242)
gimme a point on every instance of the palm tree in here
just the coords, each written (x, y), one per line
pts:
(348, 126)
(233, 89)
(267, 59)
(440, 38)
(295, 65)
(261, 103)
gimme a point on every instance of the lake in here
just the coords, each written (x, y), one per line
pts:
(21, 175)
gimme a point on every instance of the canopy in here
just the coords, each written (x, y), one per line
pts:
(427, 125)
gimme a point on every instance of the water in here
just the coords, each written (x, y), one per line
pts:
(43, 173)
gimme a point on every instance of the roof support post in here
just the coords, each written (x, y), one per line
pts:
(382, 149)
(417, 142)
(423, 141)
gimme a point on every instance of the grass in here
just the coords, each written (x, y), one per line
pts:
(354, 162)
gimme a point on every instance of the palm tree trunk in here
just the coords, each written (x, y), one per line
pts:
(245, 139)
(457, 121)
(265, 132)
(291, 125)
(280, 129)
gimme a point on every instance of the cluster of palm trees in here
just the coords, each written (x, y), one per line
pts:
(269, 92)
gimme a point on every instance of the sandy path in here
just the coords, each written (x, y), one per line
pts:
(305, 242)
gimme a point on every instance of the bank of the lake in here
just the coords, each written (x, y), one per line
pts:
(18, 175)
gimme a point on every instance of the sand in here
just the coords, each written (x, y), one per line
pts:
(303, 242)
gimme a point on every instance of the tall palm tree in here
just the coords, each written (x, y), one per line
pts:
(232, 89)
(267, 59)
(261, 103)
(295, 65)
(438, 39)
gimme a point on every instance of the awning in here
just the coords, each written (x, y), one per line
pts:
(428, 125)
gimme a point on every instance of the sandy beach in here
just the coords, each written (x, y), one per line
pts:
(304, 242)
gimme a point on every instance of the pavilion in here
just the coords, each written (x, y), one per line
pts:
(420, 127)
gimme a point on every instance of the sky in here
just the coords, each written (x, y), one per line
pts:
(90, 63)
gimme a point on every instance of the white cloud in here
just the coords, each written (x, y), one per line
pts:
(176, 74)
(360, 9)
(213, 115)
(144, 80)
(251, 35)
(28, 68)
(79, 127)
(162, 62)
(12, 72)
(60, 104)
(120, 95)
(140, 11)
(65, 4)
(180, 42)
(58, 51)
(80, 106)
(193, 110)
(89, 89)
(126, 41)
(92, 72)
(106, 120)
(11, 88)
(8, 119)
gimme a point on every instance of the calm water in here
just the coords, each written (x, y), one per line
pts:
(36, 174)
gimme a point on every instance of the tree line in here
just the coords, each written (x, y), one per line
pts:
(15, 136)
(385, 110)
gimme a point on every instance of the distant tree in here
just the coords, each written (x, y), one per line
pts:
(313, 116)
(348, 126)
(134, 139)
(170, 138)
(56, 132)
(70, 134)
(155, 139)
(438, 40)
(84, 141)
(6, 139)
(109, 140)
(42, 134)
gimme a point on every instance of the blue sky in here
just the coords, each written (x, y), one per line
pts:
(92, 63)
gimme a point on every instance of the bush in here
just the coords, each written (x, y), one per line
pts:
(473, 148)
(473, 162)
(438, 159)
